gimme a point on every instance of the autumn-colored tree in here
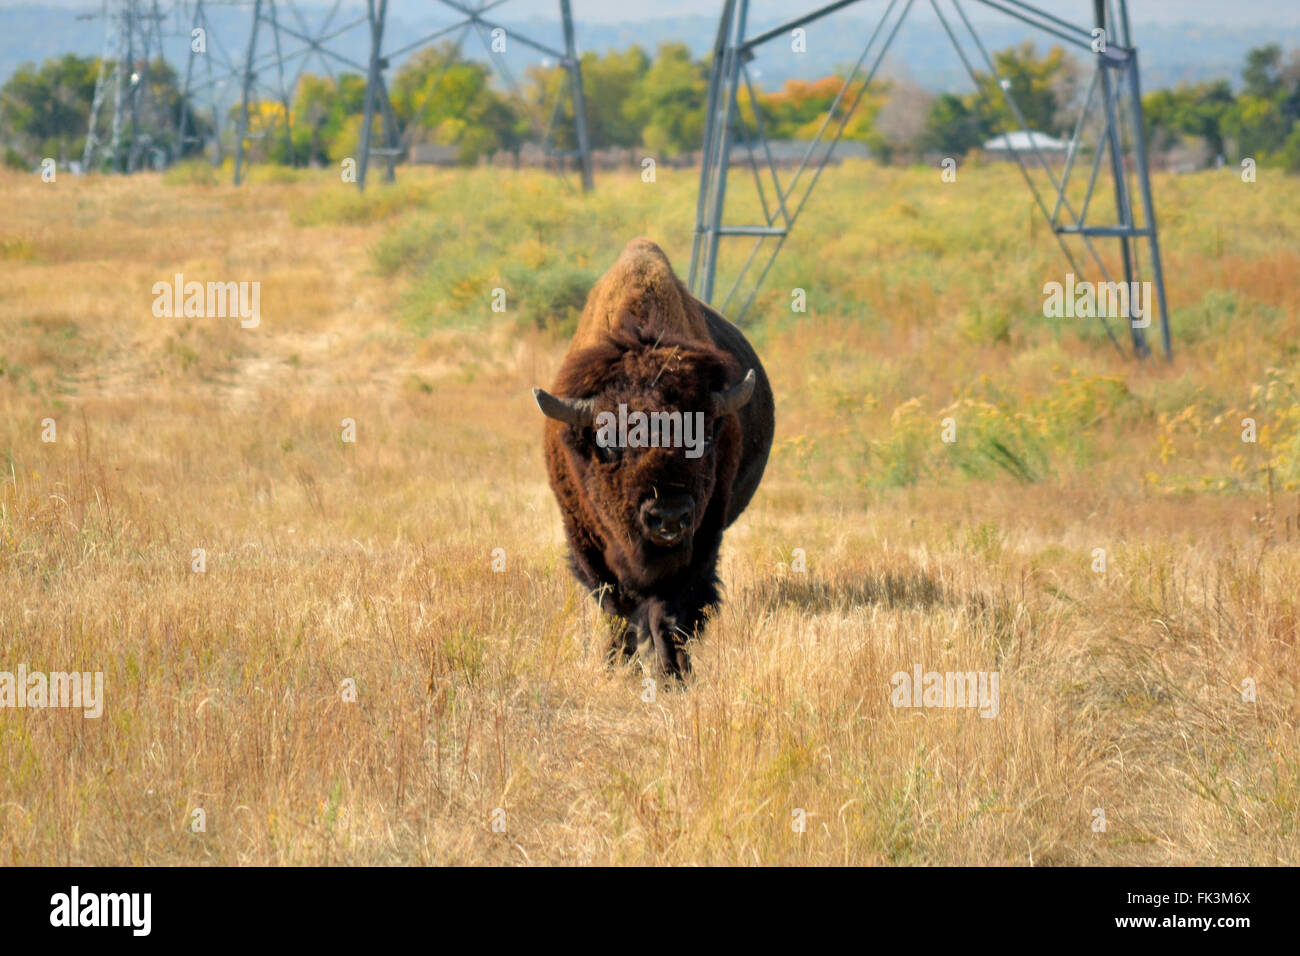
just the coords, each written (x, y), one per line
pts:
(800, 109)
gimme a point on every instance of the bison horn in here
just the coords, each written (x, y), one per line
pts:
(734, 398)
(571, 411)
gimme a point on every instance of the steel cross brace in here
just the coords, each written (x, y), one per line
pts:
(1116, 74)
(471, 18)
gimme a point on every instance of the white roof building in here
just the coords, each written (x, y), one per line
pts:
(1025, 141)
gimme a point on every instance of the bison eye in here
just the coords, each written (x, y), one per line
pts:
(608, 453)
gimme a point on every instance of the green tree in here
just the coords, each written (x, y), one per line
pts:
(1263, 72)
(1263, 122)
(444, 98)
(954, 126)
(1032, 81)
(321, 109)
(608, 82)
(46, 110)
(1257, 126)
(668, 104)
(1188, 111)
(1036, 83)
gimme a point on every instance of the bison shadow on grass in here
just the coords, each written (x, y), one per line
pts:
(913, 589)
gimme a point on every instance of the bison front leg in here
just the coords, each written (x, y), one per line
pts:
(669, 639)
(622, 641)
(674, 621)
(622, 634)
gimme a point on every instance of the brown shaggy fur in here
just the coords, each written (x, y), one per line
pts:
(645, 342)
(640, 283)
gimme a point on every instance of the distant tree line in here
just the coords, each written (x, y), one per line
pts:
(656, 103)
(1261, 121)
(45, 110)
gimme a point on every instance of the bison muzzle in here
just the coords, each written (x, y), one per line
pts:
(659, 425)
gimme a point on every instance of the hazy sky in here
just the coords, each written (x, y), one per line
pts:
(1239, 12)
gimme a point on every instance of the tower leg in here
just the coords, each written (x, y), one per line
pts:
(120, 76)
(1123, 207)
(101, 87)
(391, 136)
(242, 132)
(699, 244)
(183, 113)
(377, 16)
(1148, 206)
(713, 173)
(579, 100)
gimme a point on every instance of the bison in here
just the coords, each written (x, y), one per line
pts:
(644, 516)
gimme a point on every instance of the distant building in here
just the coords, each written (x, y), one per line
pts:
(1187, 155)
(790, 152)
(786, 153)
(1025, 141)
(433, 154)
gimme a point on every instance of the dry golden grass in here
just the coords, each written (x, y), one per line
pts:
(479, 690)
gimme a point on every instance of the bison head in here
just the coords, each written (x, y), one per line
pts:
(650, 444)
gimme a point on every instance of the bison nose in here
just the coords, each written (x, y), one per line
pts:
(668, 520)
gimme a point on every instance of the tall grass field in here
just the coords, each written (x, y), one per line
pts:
(326, 643)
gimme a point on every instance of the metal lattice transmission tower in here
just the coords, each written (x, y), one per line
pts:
(133, 42)
(1109, 126)
(470, 17)
(280, 44)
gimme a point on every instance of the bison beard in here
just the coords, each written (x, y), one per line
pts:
(644, 524)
